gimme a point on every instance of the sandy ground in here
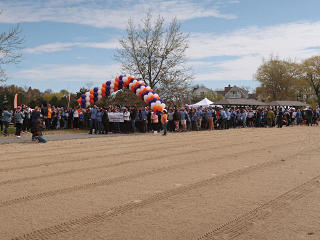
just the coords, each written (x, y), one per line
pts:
(236, 184)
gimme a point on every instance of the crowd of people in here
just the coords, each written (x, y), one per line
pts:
(132, 119)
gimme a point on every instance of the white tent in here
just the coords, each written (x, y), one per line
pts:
(203, 103)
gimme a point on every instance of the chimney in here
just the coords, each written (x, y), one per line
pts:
(227, 89)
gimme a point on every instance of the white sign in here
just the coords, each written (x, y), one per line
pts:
(115, 117)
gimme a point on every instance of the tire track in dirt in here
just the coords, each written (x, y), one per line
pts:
(241, 224)
(47, 233)
(12, 181)
(81, 159)
(101, 140)
(109, 181)
(109, 145)
(86, 158)
(72, 150)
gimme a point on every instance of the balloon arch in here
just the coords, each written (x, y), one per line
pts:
(137, 86)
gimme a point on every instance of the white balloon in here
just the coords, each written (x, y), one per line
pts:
(99, 97)
(87, 94)
(134, 82)
(158, 103)
(150, 94)
(99, 91)
(163, 105)
(137, 92)
(145, 97)
(148, 88)
(99, 88)
(152, 105)
(156, 95)
(87, 99)
(87, 104)
(124, 79)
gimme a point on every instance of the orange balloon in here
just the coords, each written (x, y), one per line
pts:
(79, 100)
(115, 88)
(91, 96)
(143, 91)
(156, 108)
(149, 99)
(91, 91)
(104, 85)
(91, 101)
(134, 85)
(125, 84)
(117, 79)
(103, 94)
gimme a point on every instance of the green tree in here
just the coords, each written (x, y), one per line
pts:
(311, 74)
(278, 80)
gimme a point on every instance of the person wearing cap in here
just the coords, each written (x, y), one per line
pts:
(164, 121)
(18, 121)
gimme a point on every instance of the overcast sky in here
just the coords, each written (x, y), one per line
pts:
(69, 43)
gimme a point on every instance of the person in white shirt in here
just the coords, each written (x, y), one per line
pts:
(126, 118)
(75, 119)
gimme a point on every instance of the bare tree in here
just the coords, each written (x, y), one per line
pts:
(10, 46)
(156, 52)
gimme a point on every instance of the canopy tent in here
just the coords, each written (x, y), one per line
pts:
(203, 103)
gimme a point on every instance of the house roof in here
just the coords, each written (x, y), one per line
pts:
(288, 103)
(240, 102)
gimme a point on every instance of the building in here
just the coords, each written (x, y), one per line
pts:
(233, 92)
(199, 91)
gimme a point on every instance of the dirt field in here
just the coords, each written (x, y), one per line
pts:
(236, 184)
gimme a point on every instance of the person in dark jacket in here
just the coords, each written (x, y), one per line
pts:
(105, 121)
(37, 126)
(309, 116)
(176, 119)
(280, 118)
(133, 115)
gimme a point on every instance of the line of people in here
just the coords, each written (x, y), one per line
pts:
(96, 120)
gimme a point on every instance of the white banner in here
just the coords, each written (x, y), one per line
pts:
(115, 117)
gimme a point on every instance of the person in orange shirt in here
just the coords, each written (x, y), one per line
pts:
(164, 121)
(48, 123)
